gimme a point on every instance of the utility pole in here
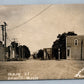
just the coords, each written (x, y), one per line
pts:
(4, 36)
(5, 33)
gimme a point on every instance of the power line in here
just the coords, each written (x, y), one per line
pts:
(31, 18)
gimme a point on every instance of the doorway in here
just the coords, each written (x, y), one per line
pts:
(68, 52)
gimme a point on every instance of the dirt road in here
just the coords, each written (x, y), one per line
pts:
(46, 69)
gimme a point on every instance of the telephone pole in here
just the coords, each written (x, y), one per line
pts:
(4, 34)
(4, 37)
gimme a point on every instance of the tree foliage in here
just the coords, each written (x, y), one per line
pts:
(26, 51)
(40, 54)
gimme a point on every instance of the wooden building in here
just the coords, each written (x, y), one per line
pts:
(48, 53)
(75, 47)
(72, 47)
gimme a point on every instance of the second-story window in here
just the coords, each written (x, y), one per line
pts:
(75, 42)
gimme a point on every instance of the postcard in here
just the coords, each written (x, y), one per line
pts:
(42, 42)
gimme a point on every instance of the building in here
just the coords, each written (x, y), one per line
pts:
(75, 47)
(2, 52)
(47, 53)
(13, 51)
(69, 46)
(16, 52)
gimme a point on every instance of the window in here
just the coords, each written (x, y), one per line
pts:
(75, 42)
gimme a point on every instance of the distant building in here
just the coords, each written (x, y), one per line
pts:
(16, 52)
(13, 50)
(75, 47)
(47, 53)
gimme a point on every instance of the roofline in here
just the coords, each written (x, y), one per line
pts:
(74, 35)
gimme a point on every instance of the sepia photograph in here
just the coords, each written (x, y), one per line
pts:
(42, 42)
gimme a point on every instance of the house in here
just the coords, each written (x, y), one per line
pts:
(75, 47)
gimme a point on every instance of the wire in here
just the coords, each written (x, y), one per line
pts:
(31, 18)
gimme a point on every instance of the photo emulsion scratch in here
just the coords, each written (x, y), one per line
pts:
(42, 42)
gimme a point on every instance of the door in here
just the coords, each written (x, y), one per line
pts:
(68, 53)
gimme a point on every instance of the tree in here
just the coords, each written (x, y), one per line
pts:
(26, 52)
(34, 55)
(40, 54)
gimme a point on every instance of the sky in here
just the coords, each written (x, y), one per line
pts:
(37, 26)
